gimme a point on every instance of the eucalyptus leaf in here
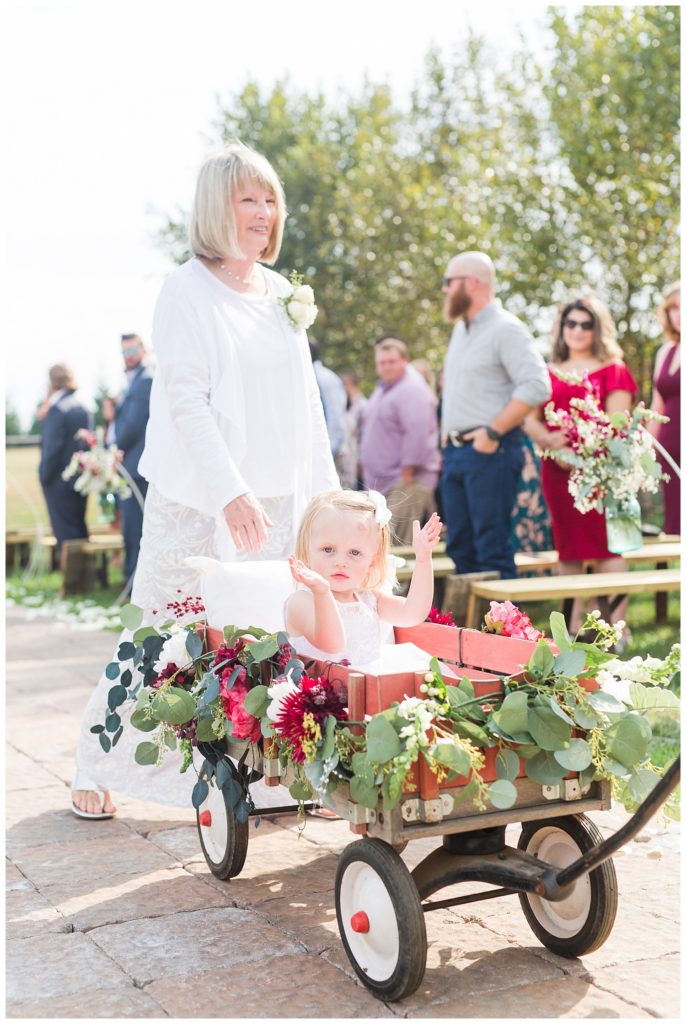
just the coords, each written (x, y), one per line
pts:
(141, 634)
(131, 616)
(139, 719)
(211, 689)
(559, 633)
(361, 766)
(200, 793)
(105, 742)
(300, 791)
(173, 705)
(615, 768)
(126, 677)
(542, 661)
(507, 764)
(512, 715)
(452, 756)
(242, 811)
(264, 648)
(223, 773)
(329, 733)
(552, 703)
(383, 742)
(97, 728)
(585, 716)
(470, 730)
(126, 650)
(193, 644)
(117, 735)
(641, 784)
(112, 722)
(605, 702)
(548, 729)
(146, 753)
(544, 769)
(257, 701)
(627, 739)
(204, 731)
(570, 663)
(502, 793)
(576, 756)
(391, 791)
(112, 670)
(467, 687)
(116, 696)
(362, 793)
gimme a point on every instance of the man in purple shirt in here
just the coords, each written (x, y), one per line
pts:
(399, 449)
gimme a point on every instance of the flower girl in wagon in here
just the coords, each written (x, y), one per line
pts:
(343, 560)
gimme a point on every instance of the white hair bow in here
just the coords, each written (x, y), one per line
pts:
(382, 513)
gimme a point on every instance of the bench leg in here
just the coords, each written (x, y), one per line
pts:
(661, 600)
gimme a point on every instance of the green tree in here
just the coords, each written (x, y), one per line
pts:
(614, 93)
(12, 421)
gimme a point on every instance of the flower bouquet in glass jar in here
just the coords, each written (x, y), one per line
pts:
(612, 458)
(98, 471)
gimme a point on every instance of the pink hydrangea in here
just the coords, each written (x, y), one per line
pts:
(506, 618)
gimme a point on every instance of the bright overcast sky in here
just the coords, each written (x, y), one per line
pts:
(110, 112)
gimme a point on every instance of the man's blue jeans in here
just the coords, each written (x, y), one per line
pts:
(478, 494)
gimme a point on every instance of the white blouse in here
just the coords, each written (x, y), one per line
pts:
(234, 406)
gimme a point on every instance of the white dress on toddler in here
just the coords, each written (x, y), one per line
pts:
(365, 633)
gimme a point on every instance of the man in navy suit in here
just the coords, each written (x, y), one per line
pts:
(64, 414)
(130, 420)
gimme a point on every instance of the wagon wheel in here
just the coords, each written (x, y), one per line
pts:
(581, 922)
(223, 838)
(380, 919)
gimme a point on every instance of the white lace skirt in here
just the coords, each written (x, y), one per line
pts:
(171, 533)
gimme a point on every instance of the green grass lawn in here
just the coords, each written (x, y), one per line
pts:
(25, 507)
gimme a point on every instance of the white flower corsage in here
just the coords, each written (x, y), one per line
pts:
(299, 305)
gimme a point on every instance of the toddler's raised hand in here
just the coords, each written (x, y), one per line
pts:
(426, 539)
(301, 574)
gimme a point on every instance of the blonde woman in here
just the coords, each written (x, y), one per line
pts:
(667, 400)
(236, 444)
(584, 342)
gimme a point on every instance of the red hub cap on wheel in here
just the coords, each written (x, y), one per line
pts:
(359, 922)
(205, 819)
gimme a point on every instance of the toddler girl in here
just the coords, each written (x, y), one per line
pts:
(343, 559)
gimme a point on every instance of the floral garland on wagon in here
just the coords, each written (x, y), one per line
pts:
(253, 688)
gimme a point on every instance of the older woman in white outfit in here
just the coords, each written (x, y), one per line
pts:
(236, 444)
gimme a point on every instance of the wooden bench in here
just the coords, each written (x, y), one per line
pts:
(84, 561)
(557, 588)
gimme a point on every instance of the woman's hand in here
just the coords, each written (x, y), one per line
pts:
(311, 579)
(248, 522)
(426, 539)
(556, 441)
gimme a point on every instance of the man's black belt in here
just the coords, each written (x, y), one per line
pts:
(457, 437)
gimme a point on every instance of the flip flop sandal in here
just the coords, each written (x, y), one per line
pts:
(81, 782)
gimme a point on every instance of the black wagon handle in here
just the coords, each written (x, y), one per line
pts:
(595, 856)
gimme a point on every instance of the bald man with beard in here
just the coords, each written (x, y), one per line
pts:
(493, 377)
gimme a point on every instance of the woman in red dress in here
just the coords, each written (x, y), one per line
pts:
(667, 401)
(585, 342)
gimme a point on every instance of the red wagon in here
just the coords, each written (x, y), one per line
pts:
(561, 868)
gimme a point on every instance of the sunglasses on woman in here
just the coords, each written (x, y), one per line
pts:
(585, 325)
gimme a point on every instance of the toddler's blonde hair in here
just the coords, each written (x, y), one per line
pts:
(380, 573)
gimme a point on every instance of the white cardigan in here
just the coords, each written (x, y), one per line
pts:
(217, 352)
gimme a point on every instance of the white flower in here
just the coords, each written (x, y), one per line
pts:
(303, 293)
(278, 692)
(174, 651)
(302, 314)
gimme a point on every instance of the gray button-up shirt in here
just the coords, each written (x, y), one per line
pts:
(489, 363)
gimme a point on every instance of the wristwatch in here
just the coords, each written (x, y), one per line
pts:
(494, 435)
